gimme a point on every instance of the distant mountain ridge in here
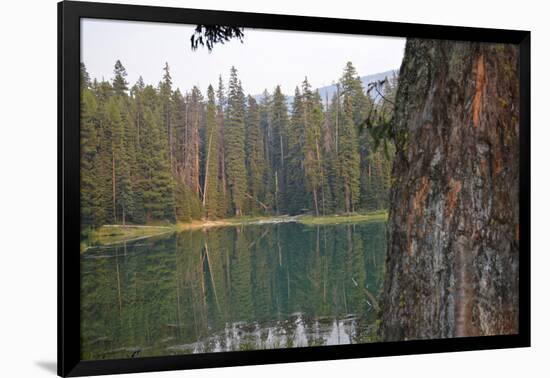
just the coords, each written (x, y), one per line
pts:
(330, 90)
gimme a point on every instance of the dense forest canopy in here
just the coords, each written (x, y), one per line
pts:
(157, 154)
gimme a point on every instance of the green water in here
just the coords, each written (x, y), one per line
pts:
(235, 288)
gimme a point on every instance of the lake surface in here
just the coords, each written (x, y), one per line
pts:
(233, 288)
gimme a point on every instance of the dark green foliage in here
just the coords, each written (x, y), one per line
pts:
(379, 120)
(166, 104)
(158, 193)
(91, 211)
(277, 125)
(224, 201)
(211, 185)
(295, 194)
(331, 185)
(84, 77)
(348, 157)
(313, 164)
(255, 159)
(265, 124)
(354, 102)
(376, 181)
(155, 154)
(120, 85)
(122, 157)
(234, 143)
(352, 88)
(376, 149)
(209, 35)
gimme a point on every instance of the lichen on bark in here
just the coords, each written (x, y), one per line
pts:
(452, 259)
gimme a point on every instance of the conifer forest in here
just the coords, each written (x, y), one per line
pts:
(155, 153)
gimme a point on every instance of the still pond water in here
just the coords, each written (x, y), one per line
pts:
(234, 288)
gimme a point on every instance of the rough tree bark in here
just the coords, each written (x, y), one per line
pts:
(452, 263)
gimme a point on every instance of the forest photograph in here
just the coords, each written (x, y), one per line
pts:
(248, 189)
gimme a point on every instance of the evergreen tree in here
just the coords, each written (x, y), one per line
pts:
(165, 93)
(353, 87)
(158, 195)
(333, 131)
(255, 158)
(313, 166)
(84, 77)
(120, 85)
(91, 212)
(121, 151)
(192, 141)
(348, 157)
(295, 187)
(328, 153)
(224, 199)
(178, 126)
(137, 122)
(103, 166)
(266, 129)
(234, 137)
(278, 146)
(211, 187)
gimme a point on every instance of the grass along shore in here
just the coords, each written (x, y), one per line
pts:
(375, 216)
(112, 234)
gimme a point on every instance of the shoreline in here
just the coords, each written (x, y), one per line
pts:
(114, 234)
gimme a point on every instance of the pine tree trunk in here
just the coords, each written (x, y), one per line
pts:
(196, 151)
(113, 178)
(277, 193)
(452, 263)
(206, 171)
(221, 208)
(315, 202)
(138, 127)
(170, 148)
(347, 198)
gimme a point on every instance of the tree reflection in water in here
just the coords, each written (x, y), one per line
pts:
(237, 288)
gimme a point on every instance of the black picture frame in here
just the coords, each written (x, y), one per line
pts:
(69, 15)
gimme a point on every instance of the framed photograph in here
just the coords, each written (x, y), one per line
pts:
(241, 188)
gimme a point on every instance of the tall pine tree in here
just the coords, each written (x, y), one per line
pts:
(120, 85)
(277, 142)
(211, 187)
(255, 159)
(234, 137)
(295, 193)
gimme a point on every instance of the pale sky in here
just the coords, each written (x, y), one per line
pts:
(265, 59)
